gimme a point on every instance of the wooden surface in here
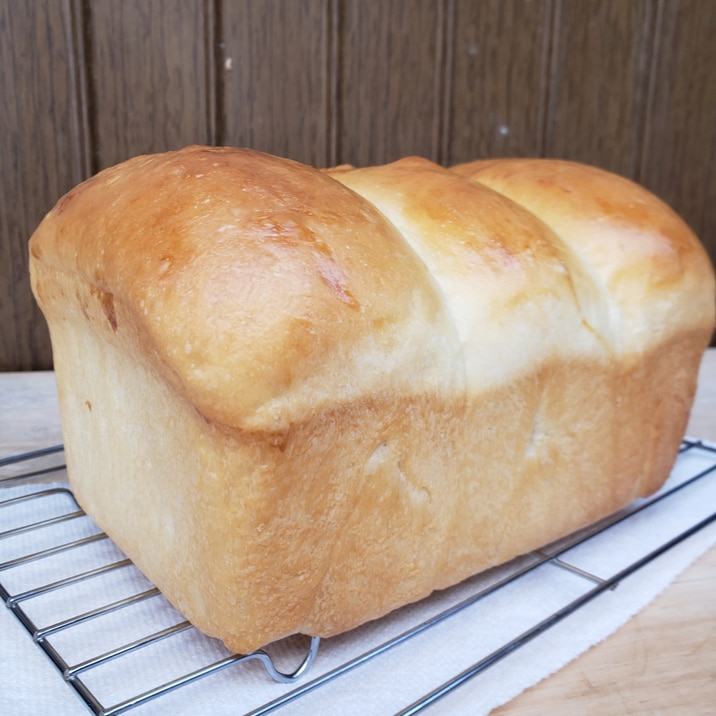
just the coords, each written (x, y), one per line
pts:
(663, 661)
(41, 157)
(147, 76)
(493, 48)
(600, 53)
(627, 86)
(274, 78)
(681, 114)
(387, 105)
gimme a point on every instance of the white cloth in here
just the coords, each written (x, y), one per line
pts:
(29, 683)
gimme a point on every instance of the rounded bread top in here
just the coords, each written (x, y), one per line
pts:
(266, 287)
(653, 274)
(505, 277)
(266, 290)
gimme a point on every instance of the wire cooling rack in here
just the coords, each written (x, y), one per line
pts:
(121, 646)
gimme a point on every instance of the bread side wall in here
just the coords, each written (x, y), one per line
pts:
(361, 509)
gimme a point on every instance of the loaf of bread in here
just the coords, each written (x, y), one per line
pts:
(299, 399)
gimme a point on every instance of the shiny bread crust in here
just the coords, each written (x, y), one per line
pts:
(300, 399)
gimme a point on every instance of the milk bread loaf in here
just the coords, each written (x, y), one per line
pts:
(300, 399)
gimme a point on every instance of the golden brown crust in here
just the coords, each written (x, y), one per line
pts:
(637, 248)
(225, 260)
(308, 398)
(495, 264)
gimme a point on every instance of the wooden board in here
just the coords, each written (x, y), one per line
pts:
(148, 77)
(626, 85)
(42, 155)
(663, 661)
(680, 126)
(274, 78)
(388, 84)
(497, 93)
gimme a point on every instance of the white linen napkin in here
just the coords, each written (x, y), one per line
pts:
(386, 684)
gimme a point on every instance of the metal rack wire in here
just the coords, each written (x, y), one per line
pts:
(75, 592)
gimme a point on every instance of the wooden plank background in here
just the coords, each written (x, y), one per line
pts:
(627, 85)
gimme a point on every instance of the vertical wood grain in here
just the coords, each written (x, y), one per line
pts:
(498, 91)
(680, 133)
(148, 76)
(42, 155)
(390, 59)
(275, 77)
(597, 93)
(623, 84)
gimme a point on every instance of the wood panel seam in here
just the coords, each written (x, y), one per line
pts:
(443, 80)
(331, 13)
(213, 80)
(546, 62)
(90, 88)
(648, 101)
(339, 37)
(550, 50)
(78, 64)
